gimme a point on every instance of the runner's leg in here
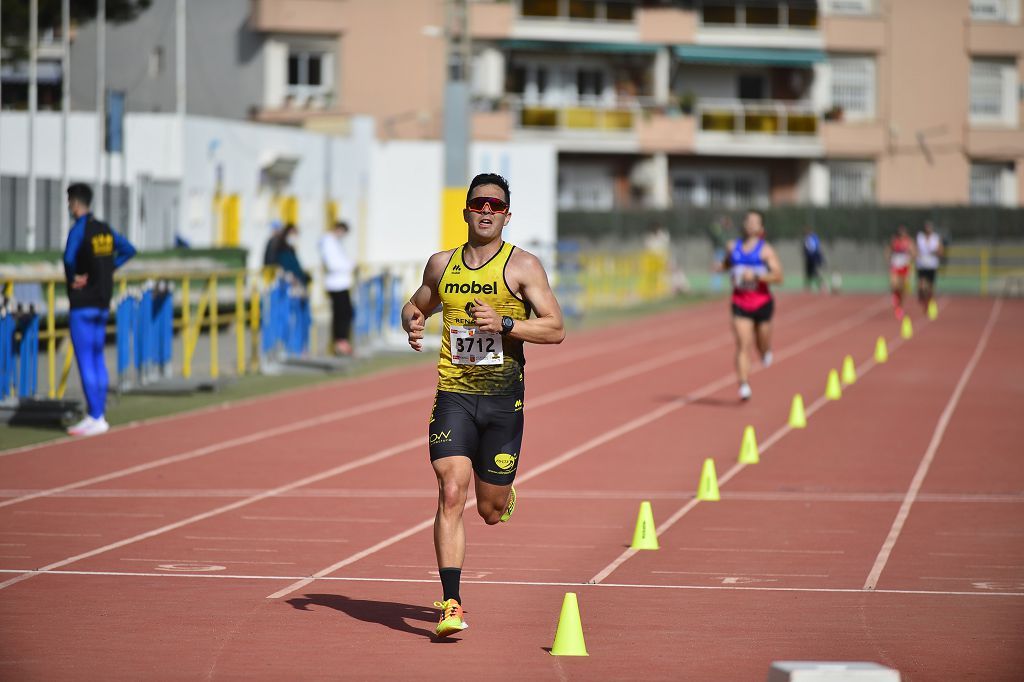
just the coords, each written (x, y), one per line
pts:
(453, 476)
(743, 330)
(491, 500)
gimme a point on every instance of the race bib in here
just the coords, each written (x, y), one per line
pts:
(470, 346)
(747, 285)
(900, 260)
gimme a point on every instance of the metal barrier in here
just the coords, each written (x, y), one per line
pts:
(997, 269)
(19, 344)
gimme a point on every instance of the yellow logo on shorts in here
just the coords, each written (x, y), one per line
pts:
(505, 461)
(519, 405)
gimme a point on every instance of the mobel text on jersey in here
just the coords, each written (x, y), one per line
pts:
(470, 288)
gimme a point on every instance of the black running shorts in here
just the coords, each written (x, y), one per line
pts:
(488, 429)
(759, 316)
(926, 275)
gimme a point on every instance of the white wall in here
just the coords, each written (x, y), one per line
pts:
(390, 192)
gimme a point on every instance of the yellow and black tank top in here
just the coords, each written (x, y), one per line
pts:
(458, 287)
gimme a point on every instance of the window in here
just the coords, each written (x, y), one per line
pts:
(850, 6)
(853, 86)
(578, 10)
(992, 184)
(619, 11)
(851, 183)
(751, 86)
(759, 14)
(995, 10)
(993, 90)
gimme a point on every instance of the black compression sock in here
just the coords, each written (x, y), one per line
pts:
(450, 583)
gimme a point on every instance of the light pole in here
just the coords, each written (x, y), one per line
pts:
(456, 123)
(33, 96)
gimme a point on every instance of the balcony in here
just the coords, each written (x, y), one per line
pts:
(576, 20)
(784, 23)
(581, 126)
(735, 127)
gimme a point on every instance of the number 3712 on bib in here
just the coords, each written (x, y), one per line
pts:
(470, 346)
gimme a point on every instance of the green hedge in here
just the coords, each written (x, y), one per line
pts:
(868, 224)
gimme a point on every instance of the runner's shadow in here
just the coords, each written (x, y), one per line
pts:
(389, 614)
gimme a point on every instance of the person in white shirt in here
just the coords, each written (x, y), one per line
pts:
(339, 274)
(929, 251)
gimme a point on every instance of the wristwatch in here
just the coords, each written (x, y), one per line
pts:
(506, 324)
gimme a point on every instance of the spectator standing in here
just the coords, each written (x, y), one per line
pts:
(339, 275)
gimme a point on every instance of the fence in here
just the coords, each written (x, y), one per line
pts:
(159, 318)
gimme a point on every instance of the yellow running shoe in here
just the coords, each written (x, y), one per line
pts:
(511, 505)
(451, 618)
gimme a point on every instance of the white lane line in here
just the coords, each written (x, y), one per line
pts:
(234, 549)
(574, 495)
(317, 519)
(524, 583)
(85, 513)
(50, 535)
(433, 567)
(601, 346)
(571, 391)
(254, 437)
(712, 529)
(528, 544)
(209, 561)
(730, 574)
(929, 453)
(774, 438)
(761, 550)
(252, 539)
(303, 482)
(309, 480)
(612, 434)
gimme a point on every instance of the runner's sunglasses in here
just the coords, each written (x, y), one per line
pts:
(476, 204)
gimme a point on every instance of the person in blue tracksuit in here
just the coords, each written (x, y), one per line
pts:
(92, 254)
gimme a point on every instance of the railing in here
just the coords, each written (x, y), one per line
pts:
(996, 268)
(583, 117)
(757, 117)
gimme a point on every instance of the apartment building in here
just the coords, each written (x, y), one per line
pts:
(648, 102)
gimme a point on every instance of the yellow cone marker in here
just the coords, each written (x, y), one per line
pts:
(849, 375)
(569, 635)
(933, 310)
(907, 329)
(832, 389)
(881, 351)
(797, 417)
(707, 491)
(748, 448)
(645, 536)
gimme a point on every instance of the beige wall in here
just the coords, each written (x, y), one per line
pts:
(923, 90)
(662, 133)
(390, 69)
(670, 26)
(298, 16)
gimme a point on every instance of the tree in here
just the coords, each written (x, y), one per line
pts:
(15, 18)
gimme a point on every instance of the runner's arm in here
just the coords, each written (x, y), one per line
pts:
(424, 300)
(726, 262)
(771, 259)
(547, 326)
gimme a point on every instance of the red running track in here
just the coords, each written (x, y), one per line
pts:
(288, 537)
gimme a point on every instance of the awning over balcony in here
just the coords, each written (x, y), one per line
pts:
(567, 46)
(710, 54)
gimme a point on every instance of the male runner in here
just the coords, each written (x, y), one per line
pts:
(487, 289)
(754, 265)
(92, 254)
(929, 251)
(900, 253)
